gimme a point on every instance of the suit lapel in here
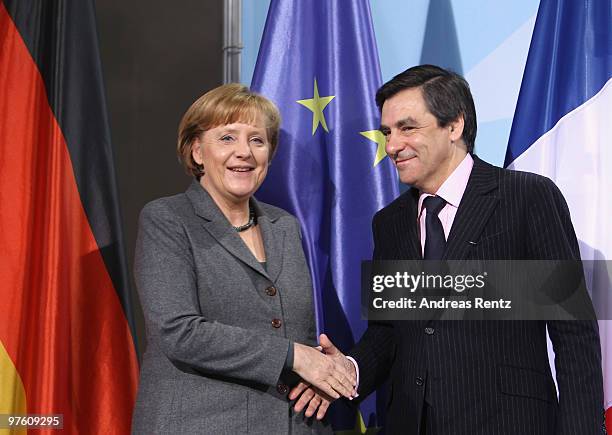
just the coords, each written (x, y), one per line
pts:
(405, 228)
(477, 205)
(274, 239)
(219, 227)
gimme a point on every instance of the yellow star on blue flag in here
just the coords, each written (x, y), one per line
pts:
(379, 138)
(316, 104)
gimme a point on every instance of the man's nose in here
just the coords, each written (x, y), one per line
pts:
(393, 145)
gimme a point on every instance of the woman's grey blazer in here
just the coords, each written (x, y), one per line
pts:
(218, 323)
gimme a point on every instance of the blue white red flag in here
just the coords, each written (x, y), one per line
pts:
(562, 129)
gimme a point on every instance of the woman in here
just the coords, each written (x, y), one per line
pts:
(225, 288)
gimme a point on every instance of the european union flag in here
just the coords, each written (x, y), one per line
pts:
(318, 62)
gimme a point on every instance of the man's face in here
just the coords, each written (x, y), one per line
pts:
(424, 153)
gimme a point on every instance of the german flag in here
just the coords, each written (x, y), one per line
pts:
(66, 341)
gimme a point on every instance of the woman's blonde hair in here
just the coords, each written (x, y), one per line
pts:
(226, 104)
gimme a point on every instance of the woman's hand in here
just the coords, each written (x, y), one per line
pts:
(316, 400)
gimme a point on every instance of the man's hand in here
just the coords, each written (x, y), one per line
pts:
(326, 372)
(328, 348)
(316, 399)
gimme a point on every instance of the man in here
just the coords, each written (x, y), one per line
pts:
(469, 377)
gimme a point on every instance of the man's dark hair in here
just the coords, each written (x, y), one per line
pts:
(446, 94)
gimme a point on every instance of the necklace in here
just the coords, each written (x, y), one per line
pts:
(249, 224)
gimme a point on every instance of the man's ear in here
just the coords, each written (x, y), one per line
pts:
(456, 128)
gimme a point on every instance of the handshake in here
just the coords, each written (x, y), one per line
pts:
(326, 375)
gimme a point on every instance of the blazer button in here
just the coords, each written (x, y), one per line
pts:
(429, 331)
(419, 381)
(282, 389)
(271, 291)
(276, 323)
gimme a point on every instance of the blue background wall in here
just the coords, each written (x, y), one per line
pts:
(485, 41)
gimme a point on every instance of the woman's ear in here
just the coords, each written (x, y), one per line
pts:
(196, 151)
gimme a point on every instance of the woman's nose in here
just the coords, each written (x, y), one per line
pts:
(242, 148)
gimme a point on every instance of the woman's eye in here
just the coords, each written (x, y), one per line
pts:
(227, 138)
(257, 140)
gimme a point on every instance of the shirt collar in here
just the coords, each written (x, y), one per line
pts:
(454, 186)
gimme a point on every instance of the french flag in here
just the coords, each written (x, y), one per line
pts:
(562, 129)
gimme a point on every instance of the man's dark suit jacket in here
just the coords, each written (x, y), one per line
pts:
(486, 377)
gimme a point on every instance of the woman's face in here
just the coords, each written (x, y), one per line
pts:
(235, 159)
